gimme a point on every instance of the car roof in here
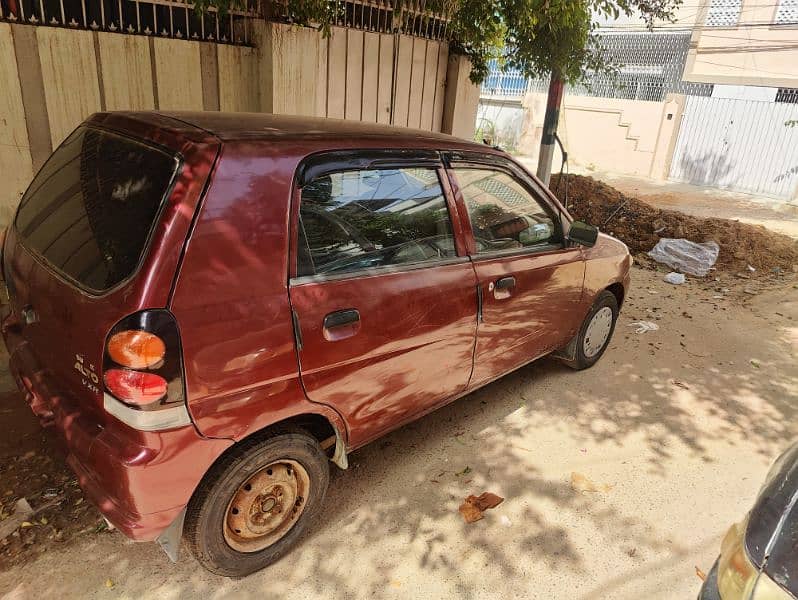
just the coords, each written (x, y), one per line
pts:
(265, 126)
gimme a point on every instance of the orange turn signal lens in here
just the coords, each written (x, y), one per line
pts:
(136, 349)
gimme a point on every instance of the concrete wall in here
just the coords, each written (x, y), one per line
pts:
(15, 150)
(53, 78)
(752, 53)
(462, 99)
(622, 136)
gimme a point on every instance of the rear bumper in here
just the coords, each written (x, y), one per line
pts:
(139, 480)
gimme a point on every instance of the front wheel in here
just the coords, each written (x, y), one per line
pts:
(595, 333)
(255, 503)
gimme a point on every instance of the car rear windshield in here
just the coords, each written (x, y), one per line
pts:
(90, 209)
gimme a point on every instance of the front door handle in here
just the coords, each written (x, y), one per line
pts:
(505, 283)
(341, 324)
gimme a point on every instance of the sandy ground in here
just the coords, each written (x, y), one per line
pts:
(679, 422)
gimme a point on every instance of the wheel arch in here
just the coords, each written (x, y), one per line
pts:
(617, 290)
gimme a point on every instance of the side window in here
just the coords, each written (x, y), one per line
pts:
(356, 220)
(504, 215)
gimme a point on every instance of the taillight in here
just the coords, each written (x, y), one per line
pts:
(135, 387)
(143, 372)
(136, 349)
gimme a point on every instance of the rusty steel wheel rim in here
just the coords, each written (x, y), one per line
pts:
(266, 506)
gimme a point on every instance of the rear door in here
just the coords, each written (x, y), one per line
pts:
(530, 281)
(383, 293)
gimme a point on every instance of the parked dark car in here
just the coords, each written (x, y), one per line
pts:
(759, 556)
(208, 306)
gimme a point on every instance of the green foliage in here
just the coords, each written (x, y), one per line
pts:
(542, 37)
(538, 37)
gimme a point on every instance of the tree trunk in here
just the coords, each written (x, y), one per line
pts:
(550, 128)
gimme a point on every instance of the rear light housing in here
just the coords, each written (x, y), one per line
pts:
(143, 372)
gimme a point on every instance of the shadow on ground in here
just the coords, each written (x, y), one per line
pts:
(671, 421)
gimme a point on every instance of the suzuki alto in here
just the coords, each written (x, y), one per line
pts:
(210, 308)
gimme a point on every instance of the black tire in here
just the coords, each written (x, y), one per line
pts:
(605, 299)
(207, 516)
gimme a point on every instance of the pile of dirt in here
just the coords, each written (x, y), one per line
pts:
(640, 226)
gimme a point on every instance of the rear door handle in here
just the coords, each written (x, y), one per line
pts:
(505, 283)
(340, 318)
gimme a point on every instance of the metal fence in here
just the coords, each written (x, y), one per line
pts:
(410, 17)
(787, 95)
(178, 18)
(164, 18)
(648, 65)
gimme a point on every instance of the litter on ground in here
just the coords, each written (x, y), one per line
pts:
(675, 278)
(685, 256)
(580, 483)
(644, 326)
(473, 506)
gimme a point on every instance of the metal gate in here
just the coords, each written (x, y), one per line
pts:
(742, 145)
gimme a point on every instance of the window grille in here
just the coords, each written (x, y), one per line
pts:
(649, 66)
(724, 13)
(787, 12)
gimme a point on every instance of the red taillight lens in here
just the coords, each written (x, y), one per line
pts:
(136, 349)
(134, 387)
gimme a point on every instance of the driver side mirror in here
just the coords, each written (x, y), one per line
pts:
(583, 234)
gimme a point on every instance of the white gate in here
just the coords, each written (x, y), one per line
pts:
(742, 145)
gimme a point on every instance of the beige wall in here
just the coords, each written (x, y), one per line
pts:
(126, 72)
(622, 136)
(462, 99)
(753, 53)
(69, 73)
(15, 155)
(53, 78)
(238, 79)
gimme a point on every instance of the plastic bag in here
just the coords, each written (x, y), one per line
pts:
(686, 256)
(675, 278)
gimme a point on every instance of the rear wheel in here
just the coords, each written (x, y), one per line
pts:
(595, 333)
(256, 502)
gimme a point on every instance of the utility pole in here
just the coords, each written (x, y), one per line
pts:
(550, 122)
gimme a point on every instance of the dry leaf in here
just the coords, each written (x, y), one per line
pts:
(470, 513)
(473, 506)
(582, 484)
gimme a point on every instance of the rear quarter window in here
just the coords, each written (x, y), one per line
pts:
(90, 209)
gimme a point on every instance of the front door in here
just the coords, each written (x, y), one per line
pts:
(384, 296)
(530, 281)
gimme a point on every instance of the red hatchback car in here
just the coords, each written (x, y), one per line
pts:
(210, 307)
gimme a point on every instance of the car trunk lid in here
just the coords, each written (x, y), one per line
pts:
(98, 236)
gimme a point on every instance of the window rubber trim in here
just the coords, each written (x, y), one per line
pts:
(377, 271)
(335, 161)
